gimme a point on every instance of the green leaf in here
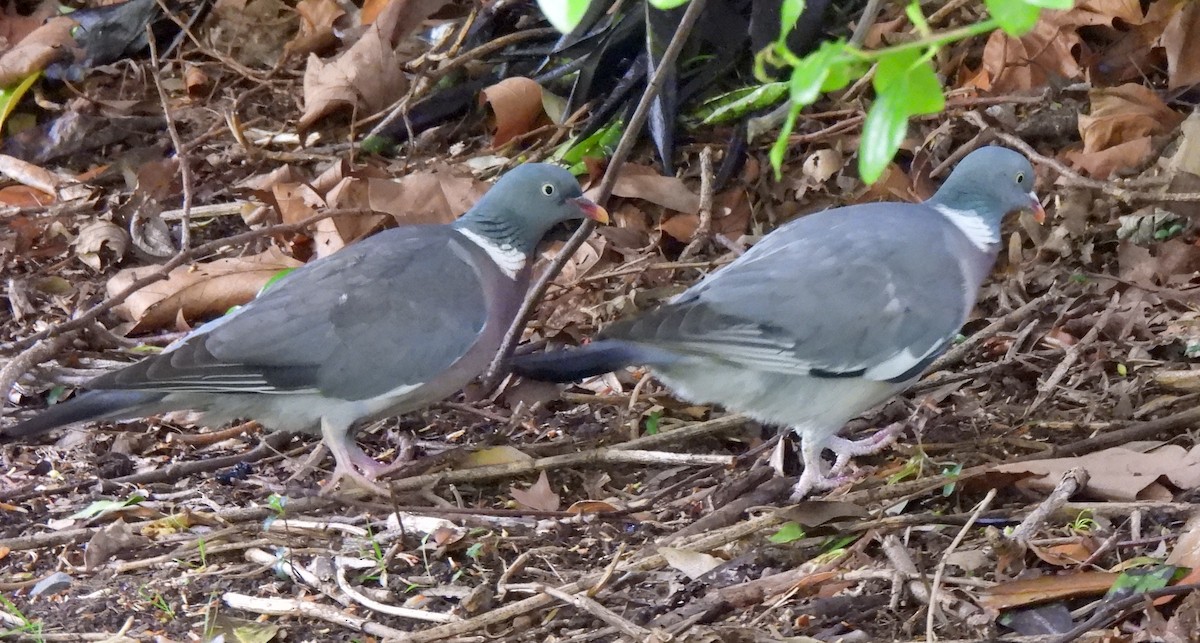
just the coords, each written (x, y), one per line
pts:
(564, 15)
(663, 4)
(883, 131)
(739, 102)
(1016, 17)
(809, 76)
(841, 73)
(652, 423)
(1144, 579)
(788, 532)
(10, 96)
(789, 13)
(781, 143)
(1051, 4)
(101, 507)
(905, 85)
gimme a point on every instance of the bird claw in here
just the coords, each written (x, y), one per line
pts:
(846, 449)
(818, 482)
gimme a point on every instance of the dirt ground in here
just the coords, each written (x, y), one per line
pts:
(1042, 489)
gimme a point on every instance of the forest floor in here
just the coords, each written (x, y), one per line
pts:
(1043, 489)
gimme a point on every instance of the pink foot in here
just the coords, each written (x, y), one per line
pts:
(845, 449)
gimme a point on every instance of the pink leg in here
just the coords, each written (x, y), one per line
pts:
(845, 449)
(351, 461)
(812, 479)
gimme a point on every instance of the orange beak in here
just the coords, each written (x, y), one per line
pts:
(591, 210)
(1035, 206)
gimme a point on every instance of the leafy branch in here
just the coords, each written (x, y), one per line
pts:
(905, 81)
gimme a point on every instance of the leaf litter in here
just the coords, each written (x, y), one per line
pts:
(701, 551)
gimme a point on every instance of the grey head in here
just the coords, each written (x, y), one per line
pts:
(990, 182)
(525, 203)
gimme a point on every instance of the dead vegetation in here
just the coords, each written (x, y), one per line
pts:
(1044, 487)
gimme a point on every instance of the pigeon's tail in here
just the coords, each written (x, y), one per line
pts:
(93, 405)
(596, 358)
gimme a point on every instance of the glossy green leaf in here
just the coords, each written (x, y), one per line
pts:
(564, 15)
(10, 96)
(842, 73)
(663, 4)
(789, 13)
(788, 532)
(808, 77)
(779, 149)
(922, 91)
(1144, 579)
(1051, 4)
(1016, 17)
(739, 102)
(883, 131)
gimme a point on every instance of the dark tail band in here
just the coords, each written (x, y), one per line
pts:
(596, 358)
(92, 405)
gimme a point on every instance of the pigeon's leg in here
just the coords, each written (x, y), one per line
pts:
(845, 449)
(812, 479)
(404, 456)
(349, 458)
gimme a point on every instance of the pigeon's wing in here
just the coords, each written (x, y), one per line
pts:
(388, 313)
(876, 292)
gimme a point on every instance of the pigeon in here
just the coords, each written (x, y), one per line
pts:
(387, 325)
(827, 316)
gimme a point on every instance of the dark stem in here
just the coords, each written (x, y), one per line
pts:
(624, 147)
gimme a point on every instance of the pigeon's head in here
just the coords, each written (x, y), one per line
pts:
(526, 202)
(991, 182)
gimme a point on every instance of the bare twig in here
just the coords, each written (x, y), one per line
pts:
(931, 614)
(1071, 482)
(955, 355)
(591, 606)
(704, 230)
(311, 609)
(185, 167)
(40, 352)
(1046, 389)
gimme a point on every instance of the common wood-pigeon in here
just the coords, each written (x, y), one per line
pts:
(385, 326)
(827, 316)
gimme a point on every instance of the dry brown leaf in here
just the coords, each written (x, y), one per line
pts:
(44, 45)
(23, 196)
(196, 291)
(97, 235)
(369, 75)
(425, 197)
(317, 18)
(516, 108)
(495, 455)
(195, 81)
(335, 233)
(1020, 64)
(693, 564)
(539, 497)
(1125, 113)
(1103, 164)
(1121, 473)
(1066, 554)
(296, 201)
(586, 507)
(1030, 591)
(641, 182)
(1181, 40)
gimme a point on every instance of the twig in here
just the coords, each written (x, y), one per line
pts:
(1046, 389)
(1071, 482)
(34, 355)
(931, 613)
(631, 135)
(704, 230)
(185, 167)
(591, 606)
(687, 433)
(302, 607)
(607, 456)
(342, 562)
(1113, 610)
(956, 355)
(178, 260)
(869, 15)
(269, 446)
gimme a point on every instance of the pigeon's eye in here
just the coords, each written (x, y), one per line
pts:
(547, 189)
(1020, 177)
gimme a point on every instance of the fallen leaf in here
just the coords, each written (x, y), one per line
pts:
(196, 291)
(317, 18)
(1030, 591)
(97, 235)
(585, 507)
(1125, 113)
(693, 564)
(539, 497)
(1181, 41)
(495, 455)
(516, 107)
(115, 538)
(44, 45)
(1121, 473)
(641, 182)
(425, 197)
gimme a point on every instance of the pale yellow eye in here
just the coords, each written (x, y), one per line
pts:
(548, 189)
(1020, 177)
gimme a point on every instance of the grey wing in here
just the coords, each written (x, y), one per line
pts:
(832, 301)
(391, 311)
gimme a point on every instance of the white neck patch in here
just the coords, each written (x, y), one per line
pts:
(972, 226)
(510, 260)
